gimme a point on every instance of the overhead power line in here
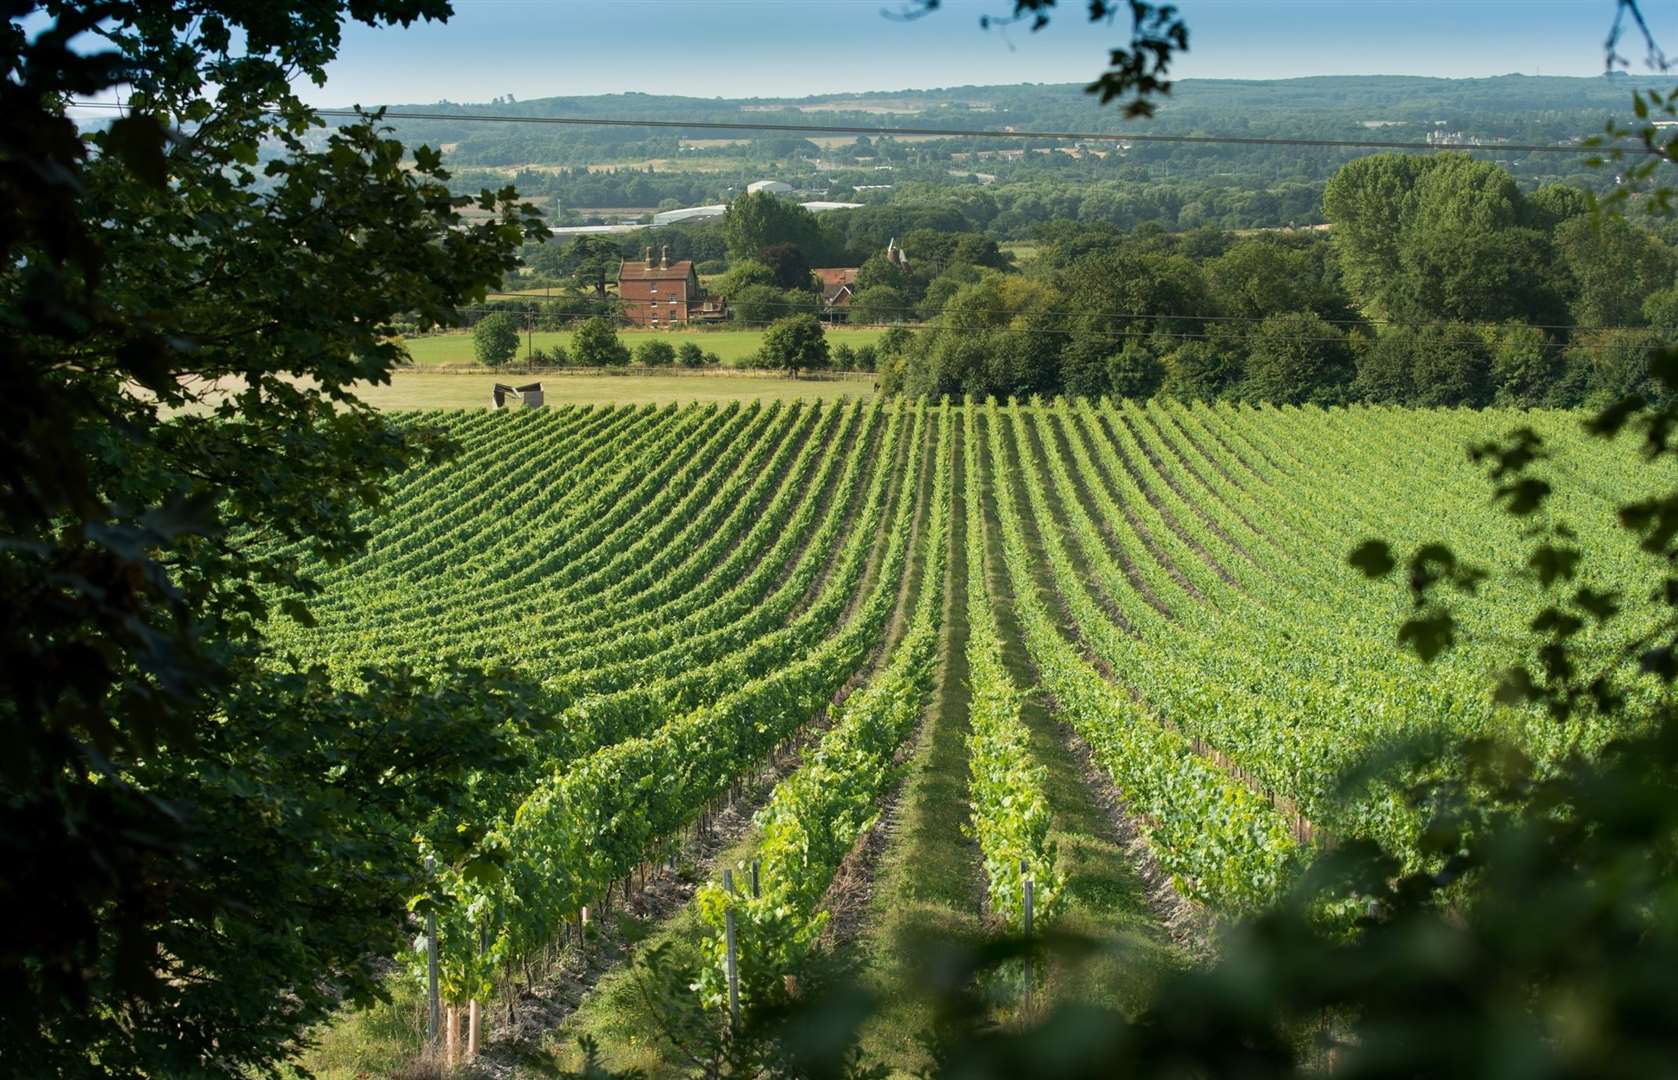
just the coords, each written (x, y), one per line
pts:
(953, 133)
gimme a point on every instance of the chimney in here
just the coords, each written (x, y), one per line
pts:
(664, 257)
(647, 256)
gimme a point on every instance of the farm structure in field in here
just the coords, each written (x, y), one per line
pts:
(529, 395)
(665, 293)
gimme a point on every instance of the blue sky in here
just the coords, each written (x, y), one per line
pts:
(744, 48)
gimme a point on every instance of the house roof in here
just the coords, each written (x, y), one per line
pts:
(834, 276)
(638, 270)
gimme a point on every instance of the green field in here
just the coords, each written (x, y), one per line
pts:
(733, 346)
(458, 390)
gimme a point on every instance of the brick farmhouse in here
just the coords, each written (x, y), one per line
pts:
(665, 293)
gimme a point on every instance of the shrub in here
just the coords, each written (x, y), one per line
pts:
(690, 355)
(895, 340)
(1135, 372)
(1385, 369)
(713, 360)
(1616, 365)
(1661, 310)
(1526, 367)
(597, 345)
(867, 358)
(1084, 368)
(1452, 367)
(844, 357)
(655, 352)
(1199, 371)
(496, 339)
(1297, 358)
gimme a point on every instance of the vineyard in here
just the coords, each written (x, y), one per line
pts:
(752, 611)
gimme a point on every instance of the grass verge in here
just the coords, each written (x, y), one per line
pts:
(927, 886)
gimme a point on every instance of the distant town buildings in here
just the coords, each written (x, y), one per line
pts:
(773, 187)
(716, 210)
(692, 213)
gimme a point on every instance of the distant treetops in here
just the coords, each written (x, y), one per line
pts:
(1440, 283)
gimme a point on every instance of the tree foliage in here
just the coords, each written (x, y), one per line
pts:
(596, 344)
(796, 343)
(495, 340)
(186, 321)
(788, 265)
(758, 220)
(1297, 359)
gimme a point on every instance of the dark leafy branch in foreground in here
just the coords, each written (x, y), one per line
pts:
(210, 846)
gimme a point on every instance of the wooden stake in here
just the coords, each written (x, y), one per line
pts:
(432, 1002)
(731, 956)
(473, 1021)
(1024, 869)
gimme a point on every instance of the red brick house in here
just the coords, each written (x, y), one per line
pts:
(665, 293)
(838, 286)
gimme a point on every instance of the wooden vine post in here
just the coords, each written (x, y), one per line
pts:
(1026, 881)
(474, 1014)
(433, 1010)
(731, 957)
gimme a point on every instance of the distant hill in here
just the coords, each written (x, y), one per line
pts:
(1512, 107)
(585, 175)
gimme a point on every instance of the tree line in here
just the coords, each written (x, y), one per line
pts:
(1440, 283)
(1437, 282)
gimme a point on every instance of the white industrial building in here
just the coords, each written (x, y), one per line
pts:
(692, 213)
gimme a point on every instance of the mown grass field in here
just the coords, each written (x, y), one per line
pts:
(733, 346)
(459, 390)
